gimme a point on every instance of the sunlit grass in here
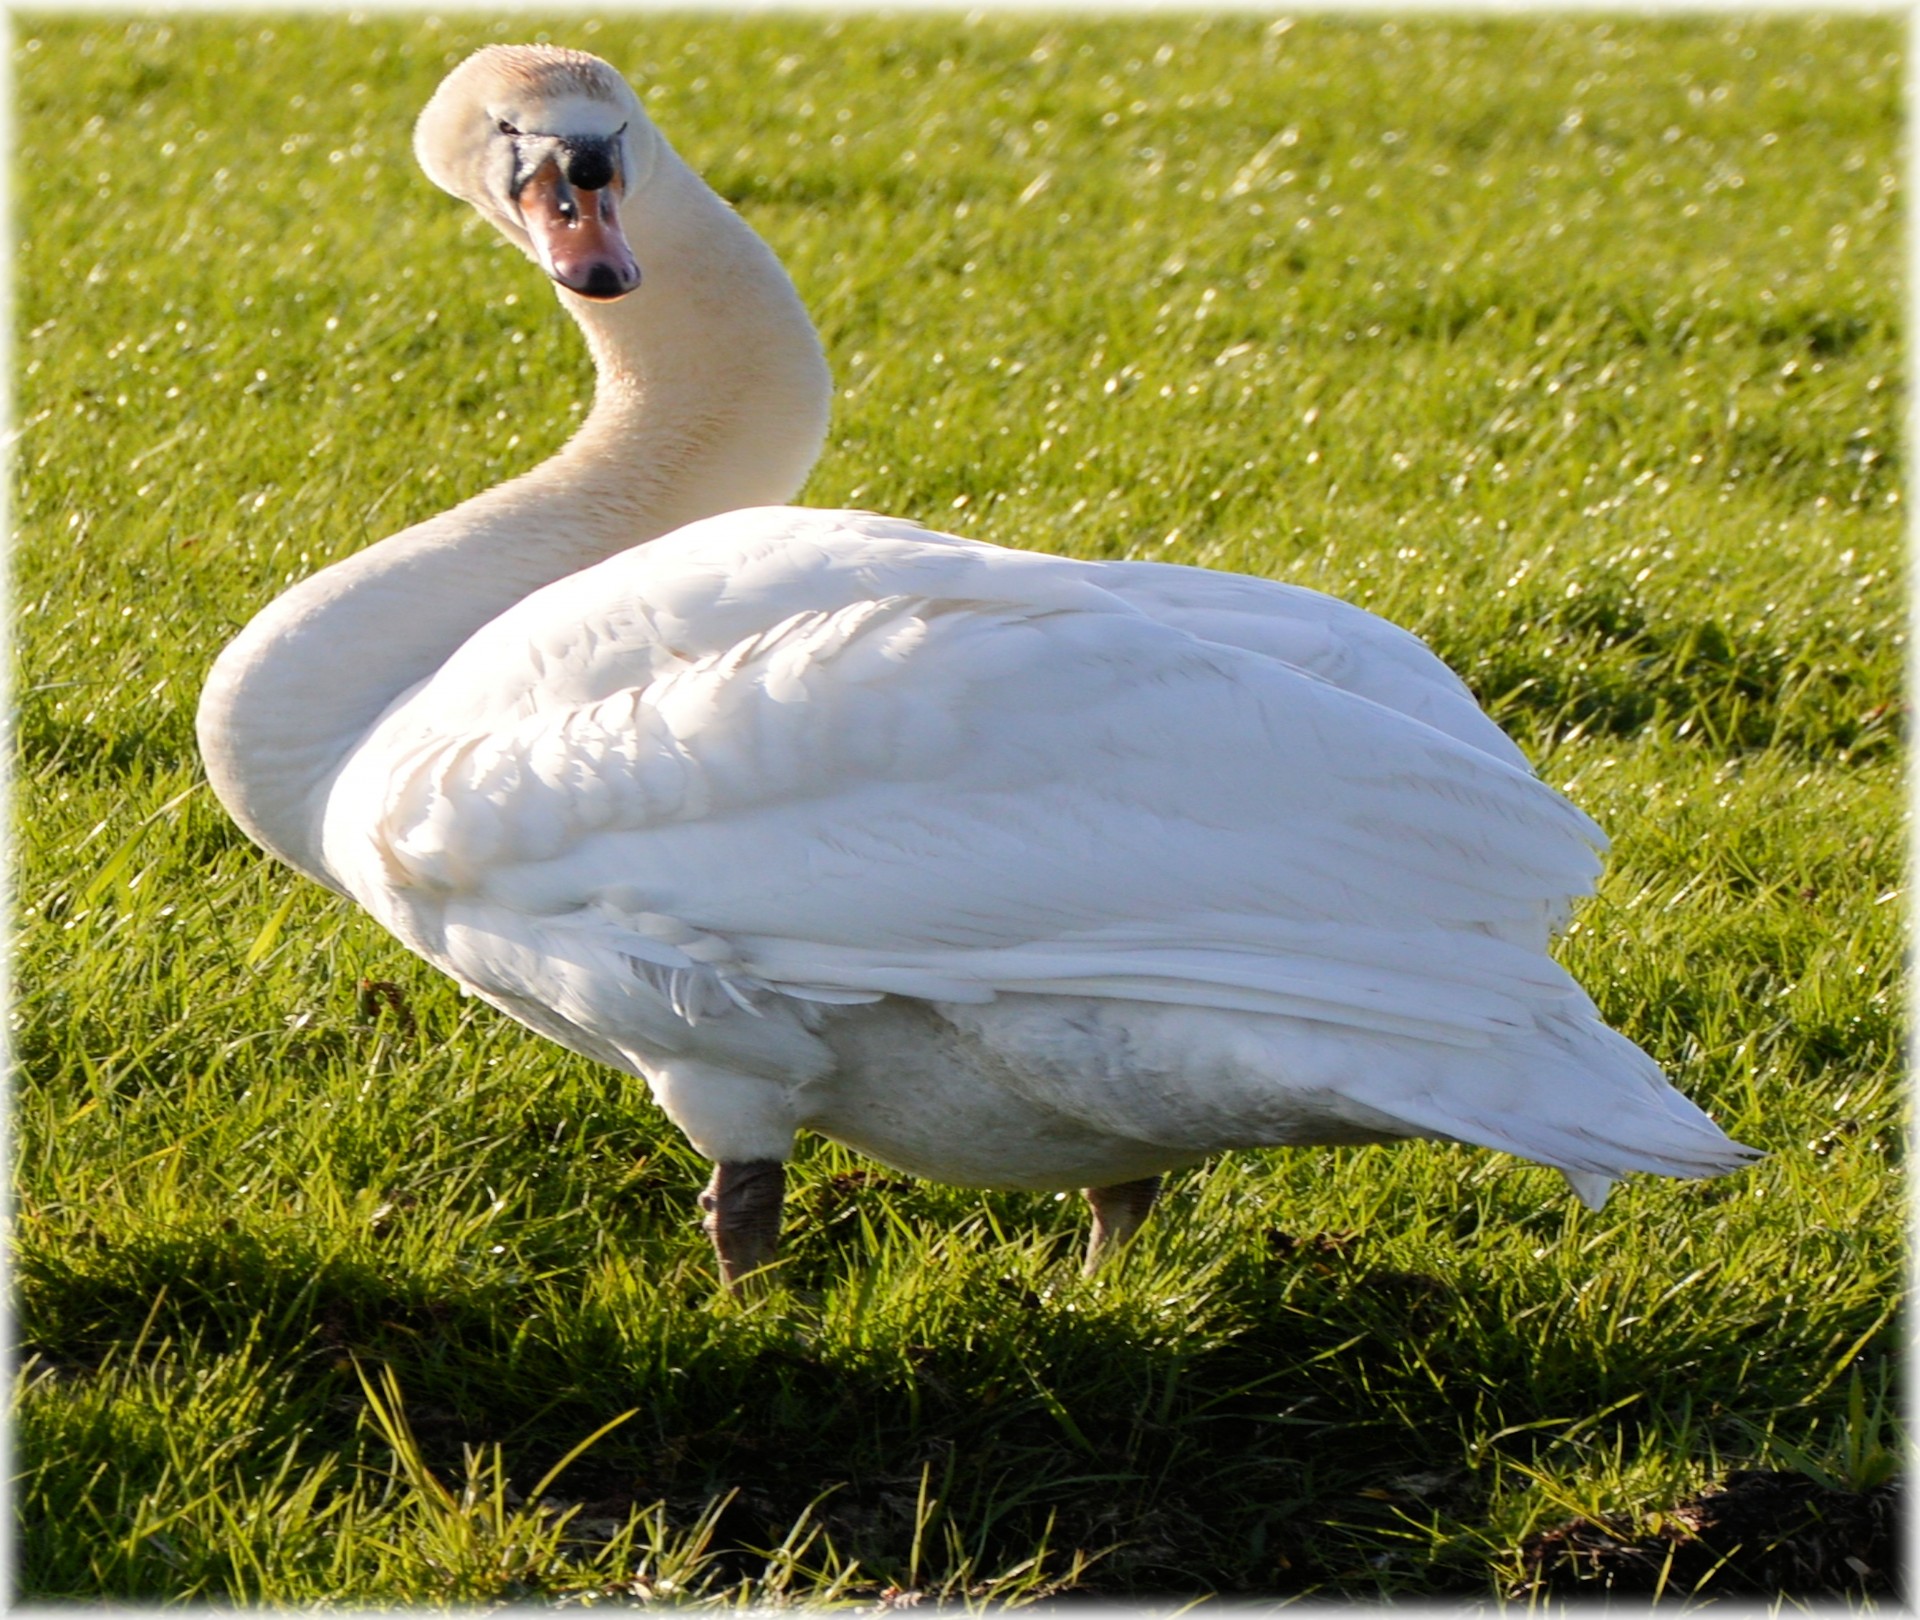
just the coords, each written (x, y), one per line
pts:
(1572, 344)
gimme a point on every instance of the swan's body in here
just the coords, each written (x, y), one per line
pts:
(1007, 869)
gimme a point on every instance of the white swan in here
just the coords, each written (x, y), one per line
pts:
(1005, 869)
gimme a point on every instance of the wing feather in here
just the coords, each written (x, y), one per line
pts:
(863, 759)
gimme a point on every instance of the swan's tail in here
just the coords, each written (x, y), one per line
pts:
(1585, 1100)
(1590, 1189)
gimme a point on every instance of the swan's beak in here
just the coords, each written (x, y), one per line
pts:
(577, 236)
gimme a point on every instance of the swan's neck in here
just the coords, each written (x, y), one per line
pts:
(711, 395)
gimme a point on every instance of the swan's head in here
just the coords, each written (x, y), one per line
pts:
(545, 142)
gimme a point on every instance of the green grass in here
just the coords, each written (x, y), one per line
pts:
(1571, 344)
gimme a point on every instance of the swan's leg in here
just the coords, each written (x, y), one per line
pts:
(1117, 1214)
(742, 1205)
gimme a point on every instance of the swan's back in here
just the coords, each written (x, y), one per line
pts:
(701, 800)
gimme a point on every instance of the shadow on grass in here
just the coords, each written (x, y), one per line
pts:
(1299, 1440)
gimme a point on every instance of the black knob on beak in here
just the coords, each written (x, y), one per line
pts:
(589, 167)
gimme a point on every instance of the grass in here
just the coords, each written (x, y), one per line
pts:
(1572, 344)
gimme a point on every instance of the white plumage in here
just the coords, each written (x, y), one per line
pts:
(1005, 868)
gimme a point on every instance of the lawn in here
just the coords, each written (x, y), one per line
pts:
(1572, 344)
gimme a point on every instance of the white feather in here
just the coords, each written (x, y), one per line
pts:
(787, 757)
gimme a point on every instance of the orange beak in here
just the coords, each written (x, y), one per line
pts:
(577, 235)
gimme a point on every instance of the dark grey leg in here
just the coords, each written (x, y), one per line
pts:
(742, 1205)
(1117, 1214)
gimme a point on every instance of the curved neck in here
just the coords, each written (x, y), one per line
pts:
(711, 394)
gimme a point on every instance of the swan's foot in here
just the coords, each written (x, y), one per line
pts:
(1117, 1214)
(742, 1205)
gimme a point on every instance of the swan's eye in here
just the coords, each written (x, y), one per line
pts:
(507, 129)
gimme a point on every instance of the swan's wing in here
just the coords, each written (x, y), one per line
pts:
(1350, 647)
(838, 757)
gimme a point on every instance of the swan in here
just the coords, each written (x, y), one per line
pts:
(1005, 869)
